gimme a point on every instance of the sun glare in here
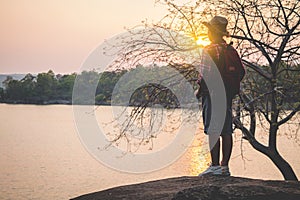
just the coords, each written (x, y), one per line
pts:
(202, 42)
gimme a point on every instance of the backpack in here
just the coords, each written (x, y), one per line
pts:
(231, 69)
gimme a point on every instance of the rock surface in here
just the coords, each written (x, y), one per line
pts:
(200, 188)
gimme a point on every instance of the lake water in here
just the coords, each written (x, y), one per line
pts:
(42, 157)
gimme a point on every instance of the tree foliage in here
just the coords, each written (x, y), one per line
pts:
(48, 88)
(41, 89)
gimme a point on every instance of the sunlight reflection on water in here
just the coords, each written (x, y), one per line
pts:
(199, 161)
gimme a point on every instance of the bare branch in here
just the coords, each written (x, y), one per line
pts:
(264, 74)
(289, 117)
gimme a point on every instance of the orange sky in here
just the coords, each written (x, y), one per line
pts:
(38, 35)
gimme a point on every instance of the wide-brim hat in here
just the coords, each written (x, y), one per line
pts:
(218, 24)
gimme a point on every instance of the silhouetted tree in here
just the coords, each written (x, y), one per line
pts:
(266, 32)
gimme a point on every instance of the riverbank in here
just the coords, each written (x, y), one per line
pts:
(196, 188)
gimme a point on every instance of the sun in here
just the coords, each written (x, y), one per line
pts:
(201, 41)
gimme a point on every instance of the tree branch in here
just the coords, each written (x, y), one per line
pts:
(287, 118)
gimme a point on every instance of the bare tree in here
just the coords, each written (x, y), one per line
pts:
(267, 34)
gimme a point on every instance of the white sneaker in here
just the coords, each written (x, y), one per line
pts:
(225, 171)
(212, 170)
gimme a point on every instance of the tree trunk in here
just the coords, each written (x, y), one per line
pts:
(284, 167)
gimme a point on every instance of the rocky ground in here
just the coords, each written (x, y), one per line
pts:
(200, 188)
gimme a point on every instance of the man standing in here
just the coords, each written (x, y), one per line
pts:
(217, 51)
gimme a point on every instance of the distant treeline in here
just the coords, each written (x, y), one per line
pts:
(40, 89)
(51, 88)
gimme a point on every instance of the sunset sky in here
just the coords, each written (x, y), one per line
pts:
(38, 35)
